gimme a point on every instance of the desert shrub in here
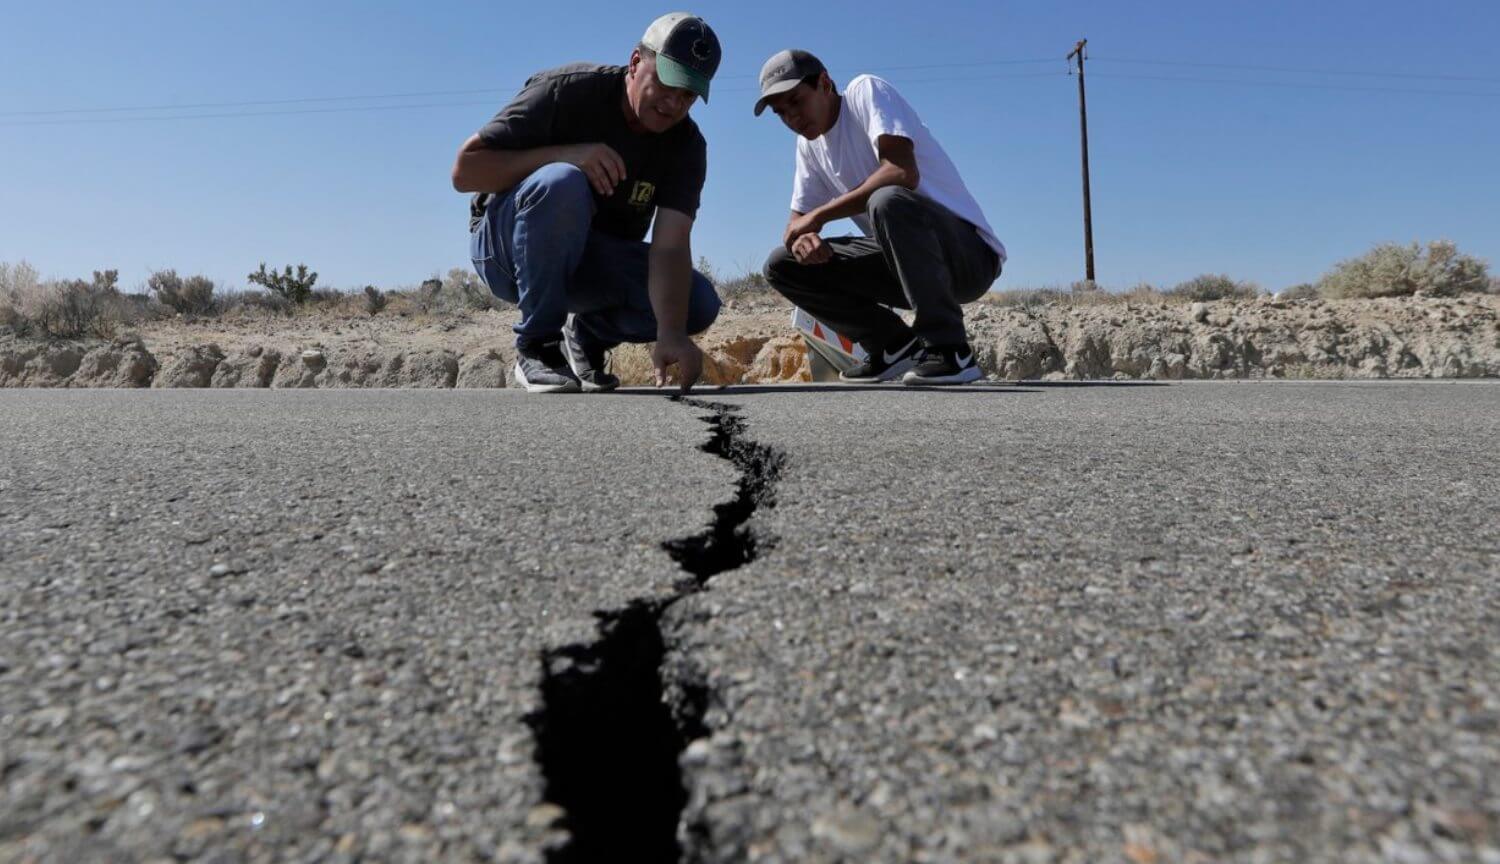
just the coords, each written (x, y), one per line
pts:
(750, 285)
(1211, 286)
(1393, 270)
(191, 296)
(460, 291)
(375, 300)
(73, 308)
(240, 300)
(19, 286)
(1302, 291)
(1494, 285)
(294, 286)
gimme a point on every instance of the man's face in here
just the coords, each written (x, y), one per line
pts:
(806, 109)
(656, 106)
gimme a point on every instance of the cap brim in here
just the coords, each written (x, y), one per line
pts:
(674, 74)
(776, 89)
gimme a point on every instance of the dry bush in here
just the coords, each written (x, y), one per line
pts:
(1301, 291)
(751, 286)
(242, 302)
(68, 309)
(191, 296)
(460, 291)
(1393, 270)
(375, 300)
(1212, 286)
(19, 288)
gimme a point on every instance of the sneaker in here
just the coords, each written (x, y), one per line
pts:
(542, 369)
(884, 365)
(944, 364)
(586, 361)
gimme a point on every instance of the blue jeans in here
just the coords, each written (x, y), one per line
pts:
(535, 247)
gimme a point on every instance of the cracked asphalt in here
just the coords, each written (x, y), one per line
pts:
(1065, 623)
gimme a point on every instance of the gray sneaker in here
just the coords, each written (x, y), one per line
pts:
(585, 359)
(542, 369)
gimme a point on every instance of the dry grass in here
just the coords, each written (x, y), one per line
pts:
(1393, 270)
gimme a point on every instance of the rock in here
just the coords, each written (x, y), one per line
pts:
(484, 369)
(191, 367)
(848, 830)
(39, 364)
(253, 367)
(1024, 350)
(434, 368)
(1198, 312)
(124, 362)
(781, 359)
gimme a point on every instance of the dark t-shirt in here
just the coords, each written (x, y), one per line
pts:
(581, 103)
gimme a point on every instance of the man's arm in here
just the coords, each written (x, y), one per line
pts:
(479, 168)
(898, 167)
(670, 284)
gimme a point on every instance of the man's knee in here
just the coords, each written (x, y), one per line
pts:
(703, 307)
(559, 188)
(888, 200)
(777, 264)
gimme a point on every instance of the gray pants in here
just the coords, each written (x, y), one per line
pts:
(922, 257)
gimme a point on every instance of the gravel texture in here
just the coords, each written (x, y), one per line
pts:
(1046, 623)
(1205, 622)
(309, 626)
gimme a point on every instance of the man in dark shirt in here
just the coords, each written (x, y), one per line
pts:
(569, 177)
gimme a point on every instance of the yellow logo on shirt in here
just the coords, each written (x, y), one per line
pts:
(642, 193)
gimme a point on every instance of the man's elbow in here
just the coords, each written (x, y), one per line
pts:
(461, 180)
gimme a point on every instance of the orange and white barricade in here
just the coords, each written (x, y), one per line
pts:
(837, 352)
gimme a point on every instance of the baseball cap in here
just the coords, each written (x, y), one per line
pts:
(783, 71)
(687, 51)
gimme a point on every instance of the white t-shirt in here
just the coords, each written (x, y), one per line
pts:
(847, 155)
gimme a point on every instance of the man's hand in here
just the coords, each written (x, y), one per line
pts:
(807, 223)
(681, 351)
(600, 163)
(810, 249)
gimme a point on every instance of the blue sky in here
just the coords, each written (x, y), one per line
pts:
(1272, 180)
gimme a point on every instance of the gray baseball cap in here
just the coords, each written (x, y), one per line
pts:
(783, 71)
(687, 51)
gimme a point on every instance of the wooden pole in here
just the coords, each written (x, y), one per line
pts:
(1083, 126)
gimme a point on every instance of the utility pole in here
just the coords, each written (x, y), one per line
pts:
(1083, 126)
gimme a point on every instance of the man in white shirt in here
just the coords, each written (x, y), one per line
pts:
(866, 155)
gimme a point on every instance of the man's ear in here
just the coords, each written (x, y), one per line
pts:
(635, 60)
(825, 83)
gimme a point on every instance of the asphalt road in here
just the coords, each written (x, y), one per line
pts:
(1199, 622)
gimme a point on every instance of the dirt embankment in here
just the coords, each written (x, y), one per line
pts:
(753, 343)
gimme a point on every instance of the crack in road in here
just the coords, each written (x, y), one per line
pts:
(608, 736)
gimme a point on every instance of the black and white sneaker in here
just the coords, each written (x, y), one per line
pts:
(884, 365)
(543, 369)
(585, 359)
(944, 364)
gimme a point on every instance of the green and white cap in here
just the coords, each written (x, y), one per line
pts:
(687, 51)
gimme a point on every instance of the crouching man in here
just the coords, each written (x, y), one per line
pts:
(865, 154)
(569, 176)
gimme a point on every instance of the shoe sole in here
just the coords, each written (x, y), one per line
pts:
(896, 370)
(962, 376)
(588, 386)
(568, 387)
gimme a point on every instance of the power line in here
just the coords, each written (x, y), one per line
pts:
(186, 106)
(1297, 71)
(423, 94)
(92, 120)
(1292, 85)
